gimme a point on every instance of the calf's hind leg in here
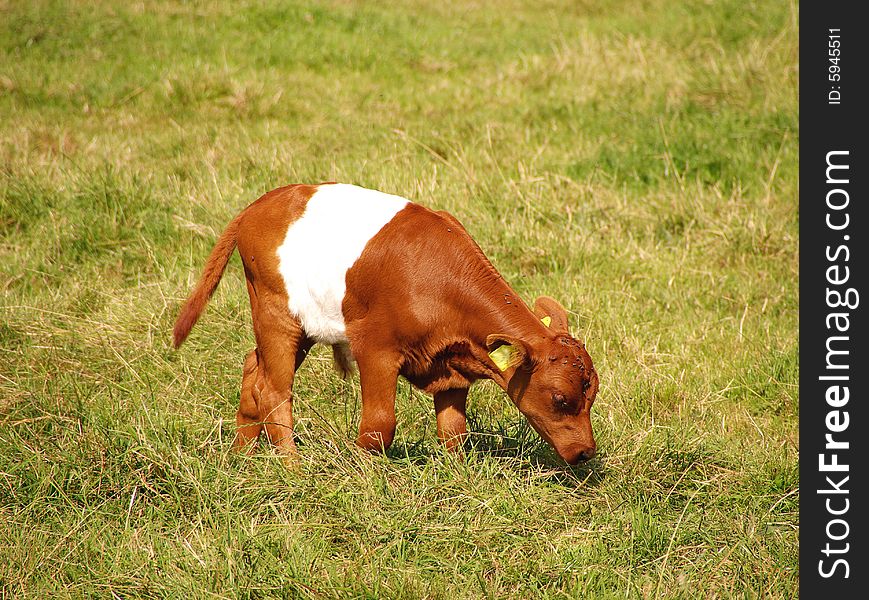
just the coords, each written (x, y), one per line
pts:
(247, 419)
(281, 348)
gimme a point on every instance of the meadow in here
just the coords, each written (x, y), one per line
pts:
(636, 160)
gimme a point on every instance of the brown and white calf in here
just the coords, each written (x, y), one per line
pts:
(401, 290)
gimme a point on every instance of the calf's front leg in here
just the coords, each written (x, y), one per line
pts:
(452, 424)
(378, 376)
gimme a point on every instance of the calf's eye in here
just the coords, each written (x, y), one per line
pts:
(560, 402)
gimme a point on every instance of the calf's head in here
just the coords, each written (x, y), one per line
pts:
(552, 381)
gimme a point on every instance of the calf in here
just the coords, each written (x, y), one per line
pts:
(400, 290)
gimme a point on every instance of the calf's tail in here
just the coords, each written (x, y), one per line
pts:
(211, 275)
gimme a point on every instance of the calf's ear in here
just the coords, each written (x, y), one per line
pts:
(545, 307)
(507, 351)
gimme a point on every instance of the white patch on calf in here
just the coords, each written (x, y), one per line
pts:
(322, 245)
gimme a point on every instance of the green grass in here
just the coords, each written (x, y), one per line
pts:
(636, 160)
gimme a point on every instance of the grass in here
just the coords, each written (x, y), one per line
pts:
(636, 160)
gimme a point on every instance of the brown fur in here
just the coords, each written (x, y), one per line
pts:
(422, 301)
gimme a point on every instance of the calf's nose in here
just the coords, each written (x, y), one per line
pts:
(579, 454)
(587, 453)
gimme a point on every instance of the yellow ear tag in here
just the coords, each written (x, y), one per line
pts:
(546, 320)
(501, 356)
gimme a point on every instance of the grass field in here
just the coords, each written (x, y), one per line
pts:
(636, 160)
